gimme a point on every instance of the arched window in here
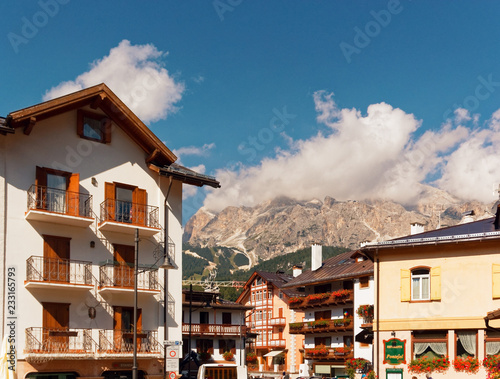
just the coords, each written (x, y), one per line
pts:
(420, 284)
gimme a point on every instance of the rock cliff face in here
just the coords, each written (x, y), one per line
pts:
(284, 225)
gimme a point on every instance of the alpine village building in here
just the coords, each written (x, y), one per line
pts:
(273, 348)
(85, 186)
(437, 302)
(333, 292)
(213, 328)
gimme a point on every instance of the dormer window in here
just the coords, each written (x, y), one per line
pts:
(94, 126)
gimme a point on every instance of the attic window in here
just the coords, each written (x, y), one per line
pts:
(94, 126)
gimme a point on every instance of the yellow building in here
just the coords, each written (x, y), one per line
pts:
(433, 292)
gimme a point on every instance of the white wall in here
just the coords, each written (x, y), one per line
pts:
(54, 143)
(362, 296)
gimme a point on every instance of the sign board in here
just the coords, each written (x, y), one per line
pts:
(394, 351)
(172, 375)
(172, 343)
(172, 365)
(173, 352)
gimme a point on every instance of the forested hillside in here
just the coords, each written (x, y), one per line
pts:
(198, 262)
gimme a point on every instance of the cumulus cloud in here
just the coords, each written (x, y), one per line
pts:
(372, 155)
(195, 150)
(136, 75)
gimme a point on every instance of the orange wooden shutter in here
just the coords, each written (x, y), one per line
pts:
(109, 194)
(72, 195)
(139, 207)
(41, 189)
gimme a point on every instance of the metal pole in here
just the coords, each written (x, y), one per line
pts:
(136, 268)
(189, 340)
(165, 278)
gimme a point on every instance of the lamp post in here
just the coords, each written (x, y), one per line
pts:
(136, 267)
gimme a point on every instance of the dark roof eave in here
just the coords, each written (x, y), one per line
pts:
(189, 176)
(348, 275)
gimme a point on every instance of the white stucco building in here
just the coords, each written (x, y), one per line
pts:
(79, 175)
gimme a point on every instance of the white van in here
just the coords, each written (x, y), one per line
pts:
(222, 371)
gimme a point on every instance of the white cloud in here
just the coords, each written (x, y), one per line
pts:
(136, 75)
(194, 150)
(368, 156)
(190, 191)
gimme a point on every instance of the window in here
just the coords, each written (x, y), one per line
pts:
(364, 282)
(127, 204)
(57, 191)
(204, 318)
(323, 315)
(94, 126)
(430, 344)
(420, 284)
(466, 343)
(492, 342)
(227, 345)
(226, 318)
(270, 294)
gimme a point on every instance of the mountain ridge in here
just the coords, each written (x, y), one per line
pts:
(283, 225)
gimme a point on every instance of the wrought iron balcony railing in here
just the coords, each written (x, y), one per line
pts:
(121, 275)
(215, 329)
(130, 213)
(41, 340)
(61, 271)
(122, 342)
(59, 201)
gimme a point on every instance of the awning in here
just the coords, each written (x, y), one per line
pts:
(365, 336)
(273, 353)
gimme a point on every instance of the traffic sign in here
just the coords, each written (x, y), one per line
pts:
(172, 375)
(173, 351)
(172, 365)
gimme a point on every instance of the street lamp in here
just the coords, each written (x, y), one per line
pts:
(166, 265)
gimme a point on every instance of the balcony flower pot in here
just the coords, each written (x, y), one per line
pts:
(228, 356)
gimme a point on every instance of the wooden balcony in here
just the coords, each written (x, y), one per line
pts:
(126, 217)
(214, 330)
(59, 343)
(54, 274)
(277, 321)
(326, 299)
(117, 277)
(322, 326)
(323, 353)
(58, 206)
(268, 344)
(121, 343)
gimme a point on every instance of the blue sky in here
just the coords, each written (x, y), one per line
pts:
(305, 99)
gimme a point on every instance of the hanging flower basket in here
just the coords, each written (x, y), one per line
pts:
(425, 365)
(469, 365)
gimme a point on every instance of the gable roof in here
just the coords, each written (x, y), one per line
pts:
(99, 96)
(472, 231)
(278, 280)
(340, 267)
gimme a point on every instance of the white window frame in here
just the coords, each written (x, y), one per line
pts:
(420, 278)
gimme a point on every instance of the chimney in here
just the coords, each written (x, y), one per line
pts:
(316, 257)
(497, 218)
(416, 228)
(467, 217)
(297, 270)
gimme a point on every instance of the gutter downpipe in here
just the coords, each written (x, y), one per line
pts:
(165, 277)
(378, 313)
